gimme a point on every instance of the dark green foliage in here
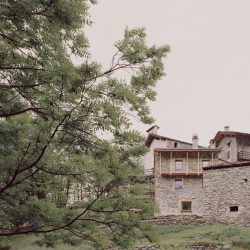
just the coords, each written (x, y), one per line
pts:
(7, 247)
(4, 244)
(67, 150)
(241, 243)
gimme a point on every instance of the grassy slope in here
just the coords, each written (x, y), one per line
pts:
(173, 237)
(183, 236)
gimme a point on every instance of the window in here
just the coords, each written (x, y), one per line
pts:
(234, 209)
(205, 163)
(228, 150)
(178, 165)
(178, 183)
(186, 206)
(175, 144)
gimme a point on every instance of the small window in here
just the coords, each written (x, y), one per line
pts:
(228, 150)
(186, 206)
(178, 165)
(175, 144)
(178, 183)
(205, 163)
(234, 209)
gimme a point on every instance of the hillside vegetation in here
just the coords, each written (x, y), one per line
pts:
(169, 237)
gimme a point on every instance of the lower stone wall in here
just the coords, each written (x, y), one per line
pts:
(224, 189)
(177, 220)
(169, 199)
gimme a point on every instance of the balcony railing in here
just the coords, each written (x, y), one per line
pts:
(244, 156)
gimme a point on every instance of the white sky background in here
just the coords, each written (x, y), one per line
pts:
(208, 69)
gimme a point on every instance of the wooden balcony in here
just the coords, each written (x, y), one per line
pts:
(184, 162)
(182, 174)
(244, 156)
(190, 169)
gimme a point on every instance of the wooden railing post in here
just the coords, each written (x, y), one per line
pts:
(187, 164)
(198, 162)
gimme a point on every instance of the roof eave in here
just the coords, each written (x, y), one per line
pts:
(229, 165)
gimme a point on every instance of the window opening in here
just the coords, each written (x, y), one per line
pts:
(178, 183)
(228, 150)
(178, 165)
(186, 206)
(234, 209)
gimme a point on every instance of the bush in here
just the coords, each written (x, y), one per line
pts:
(5, 247)
(241, 243)
(4, 244)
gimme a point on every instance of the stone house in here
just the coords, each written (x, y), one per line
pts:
(234, 146)
(226, 193)
(203, 181)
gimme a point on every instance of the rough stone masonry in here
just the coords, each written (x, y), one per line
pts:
(226, 193)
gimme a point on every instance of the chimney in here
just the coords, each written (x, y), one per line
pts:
(212, 144)
(153, 130)
(226, 128)
(195, 140)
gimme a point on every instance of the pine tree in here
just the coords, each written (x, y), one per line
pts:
(65, 130)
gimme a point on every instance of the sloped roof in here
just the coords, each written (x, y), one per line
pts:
(221, 134)
(228, 165)
(152, 136)
(152, 128)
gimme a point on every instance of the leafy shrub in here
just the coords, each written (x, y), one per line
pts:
(4, 243)
(241, 243)
(5, 247)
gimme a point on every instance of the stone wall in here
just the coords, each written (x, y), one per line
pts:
(169, 199)
(224, 188)
(176, 220)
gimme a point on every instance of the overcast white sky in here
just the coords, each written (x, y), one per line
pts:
(208, 69)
